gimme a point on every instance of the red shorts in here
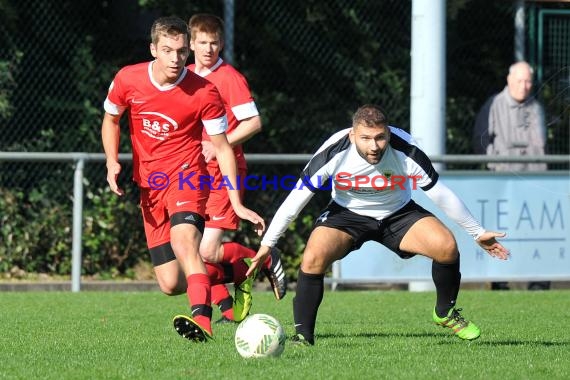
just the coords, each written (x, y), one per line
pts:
(158, 207)
(219, 209)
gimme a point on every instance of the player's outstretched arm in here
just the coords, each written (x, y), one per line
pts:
(227, 162)
(110, 134)
(247, 214)
(489, 243)
(259, 258)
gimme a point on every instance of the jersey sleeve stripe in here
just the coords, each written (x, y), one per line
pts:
(320, 160)
(112, 108)
(245, 111)
(418, 156)
(216, 126)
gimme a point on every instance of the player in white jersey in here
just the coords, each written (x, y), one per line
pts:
(372, 168)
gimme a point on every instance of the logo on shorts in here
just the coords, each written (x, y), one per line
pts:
(218, 217)
(178, 203)
(323, 217)
(190, 218)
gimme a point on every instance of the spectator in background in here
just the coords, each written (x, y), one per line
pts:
(511, 123)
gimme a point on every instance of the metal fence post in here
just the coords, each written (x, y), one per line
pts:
(229, 14)
(519, 31)
(77, 225)
(336, 274)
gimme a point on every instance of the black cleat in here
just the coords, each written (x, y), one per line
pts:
(225, 320)
(189, 329)
(300, 341)
(276, 275)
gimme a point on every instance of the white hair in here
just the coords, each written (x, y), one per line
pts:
(519, 63)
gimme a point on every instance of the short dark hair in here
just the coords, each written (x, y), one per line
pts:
(170, 25)
(370, 115)
(206, 23)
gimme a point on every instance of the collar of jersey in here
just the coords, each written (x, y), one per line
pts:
(207, 71)
(167, 86)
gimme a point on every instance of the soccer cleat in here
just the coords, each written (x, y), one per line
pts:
(300, 341)
(460, 326)
(189, 329)
(224, 320)
(242, 296)
(276, 275)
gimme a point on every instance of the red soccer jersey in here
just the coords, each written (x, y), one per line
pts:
(166, 122)
(237, 99)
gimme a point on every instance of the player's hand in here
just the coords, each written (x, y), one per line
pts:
(113, 170)
(247, 214)
(489, 243)
(259, 258)
(208, 150)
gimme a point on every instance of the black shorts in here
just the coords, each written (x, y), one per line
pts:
(388, 232)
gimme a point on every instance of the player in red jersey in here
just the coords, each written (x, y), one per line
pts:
(207, 41)
(168, 108)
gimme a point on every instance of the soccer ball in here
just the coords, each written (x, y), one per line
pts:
(260, 336)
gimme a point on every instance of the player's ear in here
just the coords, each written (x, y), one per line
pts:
(153, 50)
(351, 135)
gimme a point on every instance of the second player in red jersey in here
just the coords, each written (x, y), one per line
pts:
(207, 41)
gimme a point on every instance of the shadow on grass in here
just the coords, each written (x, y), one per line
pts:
(480, 341)
(524, 343)
(378, 335)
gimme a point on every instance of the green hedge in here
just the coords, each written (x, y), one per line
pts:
(36, 233)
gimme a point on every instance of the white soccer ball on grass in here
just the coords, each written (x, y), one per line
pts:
(260, 336)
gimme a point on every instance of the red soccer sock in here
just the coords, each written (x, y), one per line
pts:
(221, 297)
(216, 275)
(240, 269)
(229, 312)
(219, 293)
(222, 274)
(234, 252)
(199, 297)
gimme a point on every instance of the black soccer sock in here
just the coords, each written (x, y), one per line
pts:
(447, 279)
(308, 297)
(226, 304)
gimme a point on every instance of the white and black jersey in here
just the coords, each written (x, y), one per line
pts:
(377, 190)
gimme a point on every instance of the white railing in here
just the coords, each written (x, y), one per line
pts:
(80, 158)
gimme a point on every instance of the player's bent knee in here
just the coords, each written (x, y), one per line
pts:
(209, 254)
(447, 258)
(169, 276)
(315, 264)
(444, 250)
(448, 253)
(448, 245)
(171, 291)
(171, 287)
(166, 289)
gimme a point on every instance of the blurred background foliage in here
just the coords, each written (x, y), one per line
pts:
(310, 64)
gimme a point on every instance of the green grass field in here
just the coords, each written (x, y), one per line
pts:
(360, 334)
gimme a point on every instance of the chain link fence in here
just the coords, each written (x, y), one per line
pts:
(310, 64)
